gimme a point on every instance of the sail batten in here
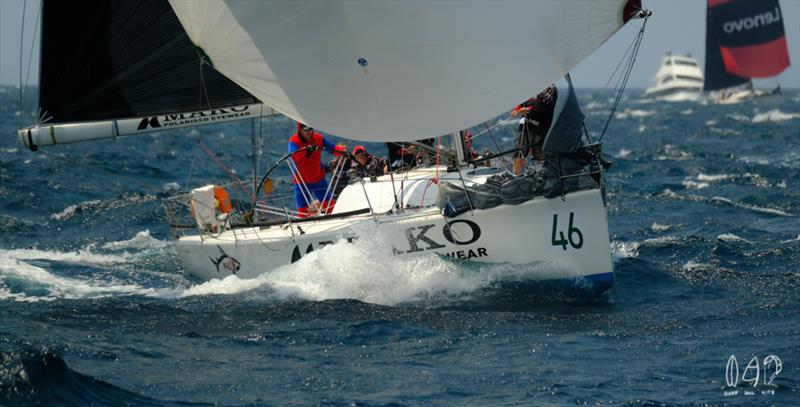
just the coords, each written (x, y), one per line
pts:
(395, 71)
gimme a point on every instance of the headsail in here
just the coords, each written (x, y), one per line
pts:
(106, 60)
(397, 71)
(744, 39)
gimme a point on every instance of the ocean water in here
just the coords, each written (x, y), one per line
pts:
(704, 217)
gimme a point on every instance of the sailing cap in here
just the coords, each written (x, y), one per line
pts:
(359, 149)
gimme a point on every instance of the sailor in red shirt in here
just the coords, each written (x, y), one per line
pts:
(306, 147)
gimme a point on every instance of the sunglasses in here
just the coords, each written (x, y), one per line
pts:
(304, 128)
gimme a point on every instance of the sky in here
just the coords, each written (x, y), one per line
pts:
(676, 25)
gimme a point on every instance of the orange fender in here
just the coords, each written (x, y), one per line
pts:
(223, 200)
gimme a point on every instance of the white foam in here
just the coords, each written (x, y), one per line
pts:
(635, 113)
(770, 211)
(171, 186)
(622, 250)
(82, 257)
(657, 227)
(797, 239)
(661, 241)
(40, 285)
(714, 178)
(351, 271)
(687, 112)
(704, 180)
(692, 265)
(142, 240)
(623, 153)
(70, 210)
(689, 184)
(730, 237)
(774, 115)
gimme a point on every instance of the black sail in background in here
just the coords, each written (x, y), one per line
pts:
(716, 76)
(744, 39)
(111, 59)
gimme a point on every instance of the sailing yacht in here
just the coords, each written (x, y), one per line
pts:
(368, 71)
(678, 79)
(744, 40)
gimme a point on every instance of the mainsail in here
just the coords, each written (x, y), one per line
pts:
(744, 39)
(116, 67)
(397, 71)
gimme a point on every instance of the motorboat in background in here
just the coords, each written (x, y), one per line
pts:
(744, 40)
(678, 79)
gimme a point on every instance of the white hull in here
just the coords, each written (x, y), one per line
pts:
(682, 96)
(747, 95)
(530, 232)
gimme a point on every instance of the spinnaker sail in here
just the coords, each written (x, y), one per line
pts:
(397, 71)
(745, 39)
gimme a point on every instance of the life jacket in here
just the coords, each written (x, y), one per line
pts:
(309, 164)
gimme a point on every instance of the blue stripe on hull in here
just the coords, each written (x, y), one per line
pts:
(600, 282)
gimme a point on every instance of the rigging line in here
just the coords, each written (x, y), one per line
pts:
(21, 42)
(332, 185)
(629, 69)
(253, 152)
(614, 74)
(33, 43)
(482, 132)
(304, 190)
(191, 170)
(223, 167)
(495, 144)
(203, 79)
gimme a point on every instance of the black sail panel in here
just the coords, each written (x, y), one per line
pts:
(111, 59)
(716, 75)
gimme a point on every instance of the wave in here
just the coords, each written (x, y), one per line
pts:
(657, 227)
(722, 200)
(730, 237)
(770, 211)
(142, 240)
(69, 211)
(40, 377)
(95, 206)
(325, 274)
(25, 274)
(774, 115)
(704, 180)
(624, 250)
(635, 113)
(623, 153)
(22, 281)
(332, 273)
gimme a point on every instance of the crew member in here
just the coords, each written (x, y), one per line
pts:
(368, 165)
(306, 147)
(537, 117)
